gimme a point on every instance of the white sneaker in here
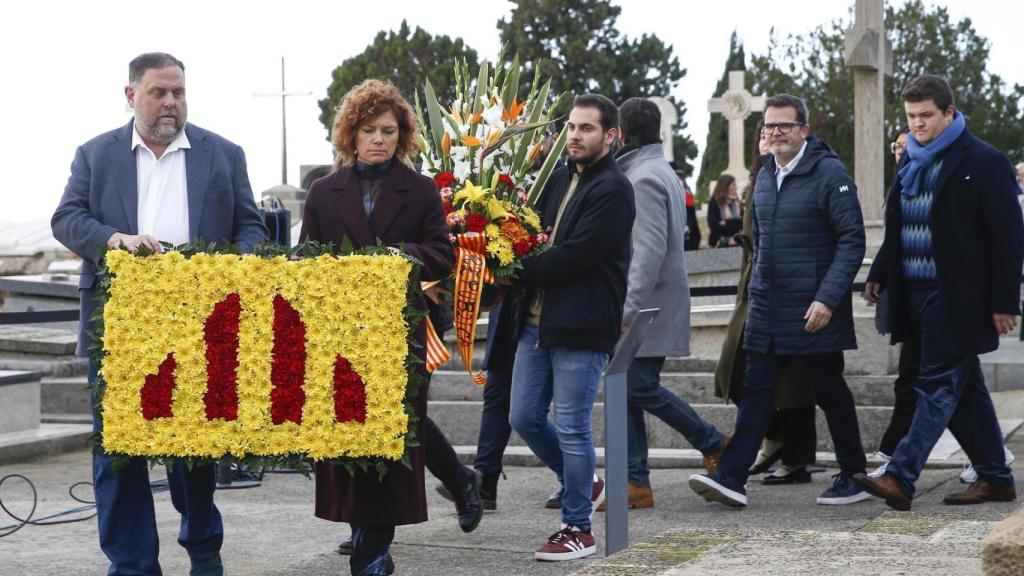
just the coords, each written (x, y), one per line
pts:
(969, 476)
(880, 471)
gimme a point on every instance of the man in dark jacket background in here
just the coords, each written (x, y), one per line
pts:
(573, 312)
(951, 262)
(808, 247)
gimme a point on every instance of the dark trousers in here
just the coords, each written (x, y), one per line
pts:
(495, 429)
(763, 375)
(370, 546)
(441, 459)
(950, 392)
(645, 394)
(795, 427)
(127, 519)
(906, 398)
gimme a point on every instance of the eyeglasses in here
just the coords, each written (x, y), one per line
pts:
(895, 147)
(782, 127)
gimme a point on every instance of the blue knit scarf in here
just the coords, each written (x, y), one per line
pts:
(913, 174)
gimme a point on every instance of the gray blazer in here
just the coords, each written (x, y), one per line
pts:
(657, 269)
(101, 198)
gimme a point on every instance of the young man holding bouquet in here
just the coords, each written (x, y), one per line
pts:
(570, 318)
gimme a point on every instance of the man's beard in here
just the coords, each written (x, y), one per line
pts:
(166, 134)
(590, 157)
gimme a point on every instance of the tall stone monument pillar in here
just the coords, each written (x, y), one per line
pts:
(869, 55)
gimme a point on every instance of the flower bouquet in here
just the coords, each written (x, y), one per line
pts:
(481, 151)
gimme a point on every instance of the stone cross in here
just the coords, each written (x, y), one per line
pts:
(283, 95)
(669, 119)
(736, 104)
(869, 55)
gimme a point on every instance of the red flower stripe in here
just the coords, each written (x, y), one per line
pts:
(288, 367)
(158, 391)
(349, 393)
(221, 335)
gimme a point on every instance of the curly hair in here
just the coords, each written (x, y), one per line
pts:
(364, 103)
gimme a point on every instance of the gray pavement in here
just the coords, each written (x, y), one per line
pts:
(271, 530)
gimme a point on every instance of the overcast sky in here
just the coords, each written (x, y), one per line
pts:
(64, 66)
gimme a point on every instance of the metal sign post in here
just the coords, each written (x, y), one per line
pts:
(615, 452)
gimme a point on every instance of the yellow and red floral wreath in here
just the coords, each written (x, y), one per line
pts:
(224, 354)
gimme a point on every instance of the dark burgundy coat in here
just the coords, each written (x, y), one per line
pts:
(407, 213)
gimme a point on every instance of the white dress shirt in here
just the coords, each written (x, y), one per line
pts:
(163, 190)
(782, 171)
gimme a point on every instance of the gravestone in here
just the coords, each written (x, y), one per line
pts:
(736, 104)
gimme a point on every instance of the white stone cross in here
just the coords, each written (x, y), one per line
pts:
(669, 119)
(736, 104)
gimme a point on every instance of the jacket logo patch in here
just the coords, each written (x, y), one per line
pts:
(844, 188)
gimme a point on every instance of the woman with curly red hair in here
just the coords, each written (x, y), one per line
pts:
(374, 196)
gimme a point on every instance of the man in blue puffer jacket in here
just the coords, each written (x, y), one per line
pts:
(808, 247)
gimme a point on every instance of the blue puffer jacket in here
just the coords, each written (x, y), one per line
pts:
(808, 245)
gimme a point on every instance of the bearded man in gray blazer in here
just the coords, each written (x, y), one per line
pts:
(157, 179)
(657, 279)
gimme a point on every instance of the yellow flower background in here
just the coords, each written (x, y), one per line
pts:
(350, 305)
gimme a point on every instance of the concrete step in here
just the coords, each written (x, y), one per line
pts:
(47, 439)
(67, 395)
(694, 387)
(46, 364)
(76, 418)
(37, 339)
(460, 421)
(1004, 368)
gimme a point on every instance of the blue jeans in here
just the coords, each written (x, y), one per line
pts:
(570, 377)
(950, 392)
(763, 375)
(127, 519)
(645, 394)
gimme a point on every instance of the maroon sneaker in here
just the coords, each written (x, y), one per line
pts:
(568, 543)
(596, 495)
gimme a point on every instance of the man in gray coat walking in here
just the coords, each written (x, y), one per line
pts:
(657, 279)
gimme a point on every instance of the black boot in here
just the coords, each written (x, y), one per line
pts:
(467, 502)
(489, 490)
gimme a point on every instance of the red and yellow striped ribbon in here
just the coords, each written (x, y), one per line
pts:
(437, 352)
(471, 274)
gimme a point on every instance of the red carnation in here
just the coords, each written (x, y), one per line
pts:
(476, 222)
(447, 207)
(506, 180)
(523, 247)
(444, 179)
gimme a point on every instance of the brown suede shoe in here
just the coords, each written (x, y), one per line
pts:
(885, 487)
(710, 462)
(980, 492)
(639, 497)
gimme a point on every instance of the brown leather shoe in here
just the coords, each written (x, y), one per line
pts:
(885, 487)
(980, 492)
(639, 497)
(710, 461)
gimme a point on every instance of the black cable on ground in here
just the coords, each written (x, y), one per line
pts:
(155, 487)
